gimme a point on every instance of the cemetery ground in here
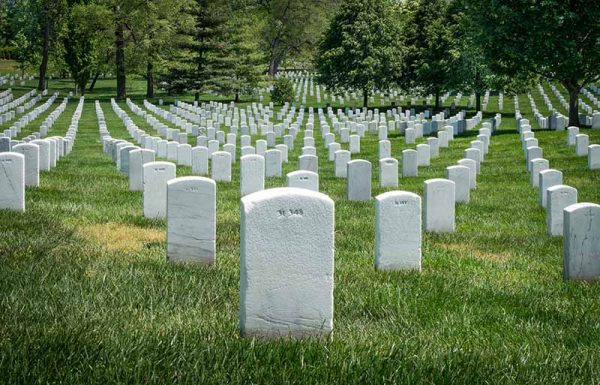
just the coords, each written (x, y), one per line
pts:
(88, 296)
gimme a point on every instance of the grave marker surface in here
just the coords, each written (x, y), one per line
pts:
(156, 176)
(286, 287)
(303, 179)
(439, 205)
(581, 241)
(358, 184)
(191, 220)
(12, 181)
(31, 153)
(398, 231)
(252, 174)
(558, 198)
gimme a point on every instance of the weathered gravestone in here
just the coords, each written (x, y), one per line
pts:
(582, 143)
(221, 166)
(398, 231)
(31, 152)
(191, 220)
(12, 181)
(594, 157)
(409, 163)
(44, 157)
(537, 165)
(439, 205)
(286, 279)
(461, 176)
(303, 179)
(558, 198)
(388, 172)
(156, 175)
(423, 155)
(358, 184)
(342, 157)
(581, 241)
(273, 163)
(472, 165)
(252, 174)
(548, 178)
(200, 160)
(308, 163)
(137, 159)
(4, 144)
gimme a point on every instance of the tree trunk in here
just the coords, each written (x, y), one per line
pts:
(82, 89)
(573, 89)
(437, 100)
(273, 66)
(45, 47)
(120, 60)
(91, 88)
(237, 97)
(365, 98)
(150, 80)
(477, 101)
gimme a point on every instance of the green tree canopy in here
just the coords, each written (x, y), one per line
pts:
(360, 49)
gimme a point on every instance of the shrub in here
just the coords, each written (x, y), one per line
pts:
(282, 91)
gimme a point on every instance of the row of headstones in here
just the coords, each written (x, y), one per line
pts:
(24, 120)
(578, 223)
(6, 95)
(17, 106)
(21, 166)
(583, 147)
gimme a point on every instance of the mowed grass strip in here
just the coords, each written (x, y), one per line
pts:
(88, 297)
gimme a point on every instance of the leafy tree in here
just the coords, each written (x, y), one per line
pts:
(23, 52)
(433, 53)
(283, 91)
(84, 25)
(555, 39)
(292, 27)
(360, 49)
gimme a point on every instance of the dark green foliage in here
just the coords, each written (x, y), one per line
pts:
(433, 53)
(554, 39)
(360, 49)
(283, 91)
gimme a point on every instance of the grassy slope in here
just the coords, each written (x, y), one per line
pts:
(88, 297)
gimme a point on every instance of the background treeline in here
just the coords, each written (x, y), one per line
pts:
(231, 47)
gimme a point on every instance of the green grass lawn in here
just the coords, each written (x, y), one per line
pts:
(88, 297)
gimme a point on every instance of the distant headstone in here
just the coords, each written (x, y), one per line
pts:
(439, 205)
(358, 185)
(581, 241)
(594, 157)
(461, 176)
(137, 159)
(191, 220)
(537, 165)
(546, 179)
(308, 163)
(200, 160)
(398, 231)
(31, 152)
(558, 198)
(303, 179)
(221, 166)
(342, 157)
(286, 287)
(252, 174)
(388, 172)
(409, 163)
(582, 143)
(156, 176)
(273, 163)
